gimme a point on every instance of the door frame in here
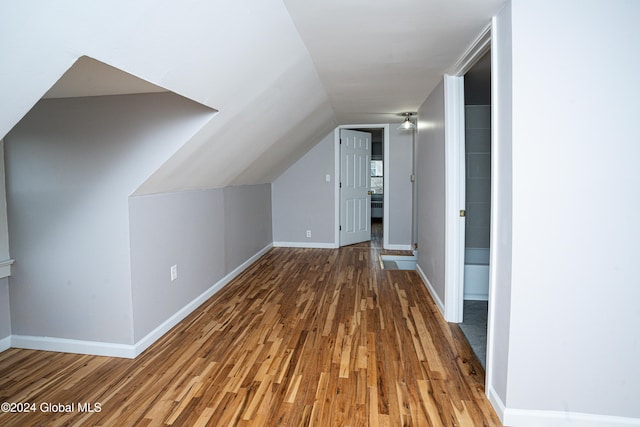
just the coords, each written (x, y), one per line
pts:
(385, 180)
(454, 104)
(455, 174)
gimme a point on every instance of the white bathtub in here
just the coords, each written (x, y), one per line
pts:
(476, 274)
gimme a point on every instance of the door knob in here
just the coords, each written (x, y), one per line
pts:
(369, 192)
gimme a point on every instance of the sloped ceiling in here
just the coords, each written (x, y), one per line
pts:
(281, 75)
(88, 77)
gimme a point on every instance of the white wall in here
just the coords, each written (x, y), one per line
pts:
(572, 346)
(259, 111)
(501, 209)
(71, 164)
(430, 175)
(304, 200)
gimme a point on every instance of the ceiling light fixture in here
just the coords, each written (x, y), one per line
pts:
(407, 124)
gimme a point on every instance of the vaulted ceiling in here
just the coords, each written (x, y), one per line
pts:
(280, 74)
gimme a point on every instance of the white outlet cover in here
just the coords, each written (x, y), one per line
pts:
(174, 272)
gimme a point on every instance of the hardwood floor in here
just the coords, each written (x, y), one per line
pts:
(303, 337)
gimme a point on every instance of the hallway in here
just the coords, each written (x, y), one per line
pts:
(303, 337)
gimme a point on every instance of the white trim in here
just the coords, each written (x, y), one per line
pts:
(474, 52)
(494, 218)
(336, 184)
(316, 245)
(5, 343)
(172, 321)
(454, 197)
(398, 247)
(65, 345)
(432, 291)
(5, 268)
(530, 417)
(538, 418)
(496, 402)
(386, 185)
(127, 350)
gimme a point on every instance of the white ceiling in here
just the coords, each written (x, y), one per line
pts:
(375, 58)
(378, 58)
(281, 73)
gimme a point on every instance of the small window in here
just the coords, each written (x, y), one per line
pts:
(377, 180)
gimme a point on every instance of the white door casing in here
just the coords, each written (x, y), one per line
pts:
(355, 186)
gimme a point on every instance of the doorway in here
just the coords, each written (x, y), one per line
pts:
(355, 187)
(378, 169)
(455, 186)
(377, 176)
(477, 180)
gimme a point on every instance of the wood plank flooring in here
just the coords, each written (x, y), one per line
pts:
(304, 337)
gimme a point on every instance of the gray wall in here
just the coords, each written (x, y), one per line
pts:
(71, 164)
(400, 185)
(5, 317)
(478, 175)
(4, 227)
(303, 200)
(5, 313)
(247, 222)
(207, 234)
(431, 189)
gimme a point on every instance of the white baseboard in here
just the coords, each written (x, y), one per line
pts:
(64, 345)
(172, 321)
(432, 291)
(538, 418)
(5, 268)
(496, 402)
(5, 343)
(399, 247)
(129, 351)
(311, 245)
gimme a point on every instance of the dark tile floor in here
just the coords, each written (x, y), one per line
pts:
(474, 327)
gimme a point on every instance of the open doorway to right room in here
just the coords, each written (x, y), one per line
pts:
(477, 100)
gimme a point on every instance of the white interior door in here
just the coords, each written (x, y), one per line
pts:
(355, 186)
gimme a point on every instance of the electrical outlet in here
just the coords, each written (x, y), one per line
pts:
(308, 233)
(174, 272)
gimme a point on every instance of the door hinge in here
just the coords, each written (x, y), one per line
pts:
(340, 185)
(340, 228)
(340, 141)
